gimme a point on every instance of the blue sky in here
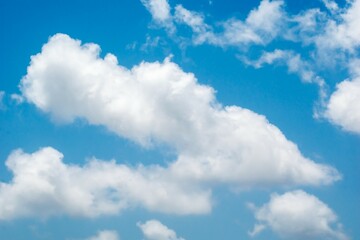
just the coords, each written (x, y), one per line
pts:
(169, 120)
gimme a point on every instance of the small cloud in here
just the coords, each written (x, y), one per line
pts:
(2, 104)
(258, 228)
(131, 46)
(298, 215)
(155, 230)
(105, 235)
(150, 43)
(18, 99)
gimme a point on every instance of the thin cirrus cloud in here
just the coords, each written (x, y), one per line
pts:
(214, 144)
(298, 215)
(155, 230)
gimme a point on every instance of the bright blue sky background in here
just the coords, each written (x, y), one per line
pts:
(115, 25)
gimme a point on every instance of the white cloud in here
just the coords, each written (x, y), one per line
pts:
(331, 5)
(105, 235)
(343, 31)
(299, 215)
(305, 26)
(43, 186)
(161, 13)
(191, 18)
(155, 230)
(159, 9)
(343, 108)
(268, 58)
(261, 26)
(202, 31)
(292, 60)
(258, 228)
(229, 145)
(267, 18)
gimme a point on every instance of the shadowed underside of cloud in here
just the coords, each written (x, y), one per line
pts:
(298, 215)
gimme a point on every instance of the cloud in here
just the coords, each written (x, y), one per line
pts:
(292, 60)
(160, 12)
(44, 186)
(2, 105)
(266, 19)
(105, 235)
(261, 25)
(305, 26)
(193, 19)
(18, 99)
(342, 32)
(298, 215)
(155, 230)
(215, 144)
(343, 108)
(331, 5)
(202, 31)
(296, 65)
(258, 228)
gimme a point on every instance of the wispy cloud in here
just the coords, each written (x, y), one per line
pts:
(105, 235)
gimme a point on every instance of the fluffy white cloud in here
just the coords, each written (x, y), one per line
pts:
(267, 18)
(298, 215)
(155, 230)
(43, 185)
(343, 108)
(105, 235)
(158, 102)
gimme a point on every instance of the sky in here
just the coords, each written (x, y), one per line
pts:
(179, 119)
